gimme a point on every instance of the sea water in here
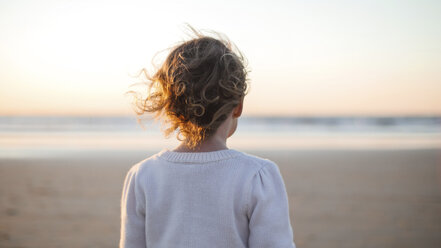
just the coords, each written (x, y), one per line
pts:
(24, 135)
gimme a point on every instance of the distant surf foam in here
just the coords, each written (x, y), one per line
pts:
(45, 134)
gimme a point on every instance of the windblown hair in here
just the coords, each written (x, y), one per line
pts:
(200, 82)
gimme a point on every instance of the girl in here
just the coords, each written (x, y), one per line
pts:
(203, 194)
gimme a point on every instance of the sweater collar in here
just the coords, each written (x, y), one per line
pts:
(197, 157)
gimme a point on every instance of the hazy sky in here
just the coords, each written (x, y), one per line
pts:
(305, 57)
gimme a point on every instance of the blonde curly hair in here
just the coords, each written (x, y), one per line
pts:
(200, 82)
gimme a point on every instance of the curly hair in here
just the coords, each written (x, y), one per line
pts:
(200, 82)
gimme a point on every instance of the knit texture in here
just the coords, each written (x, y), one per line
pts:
(214, 199)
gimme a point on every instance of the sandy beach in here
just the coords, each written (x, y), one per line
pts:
(338, 198)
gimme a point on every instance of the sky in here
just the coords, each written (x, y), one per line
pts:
(305, 57)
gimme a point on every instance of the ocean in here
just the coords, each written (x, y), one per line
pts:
(22, 136)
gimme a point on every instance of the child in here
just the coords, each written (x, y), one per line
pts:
(203, 194)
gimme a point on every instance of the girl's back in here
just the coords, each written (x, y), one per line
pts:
(203, 194)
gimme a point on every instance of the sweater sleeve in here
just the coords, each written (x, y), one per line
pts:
(132, 213)
(268, 210)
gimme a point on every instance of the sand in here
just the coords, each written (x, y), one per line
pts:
(340, 198)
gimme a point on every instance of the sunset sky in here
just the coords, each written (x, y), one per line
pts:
(306, 57)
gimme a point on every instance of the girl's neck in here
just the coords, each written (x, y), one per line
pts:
(216, 142)
(210, 145)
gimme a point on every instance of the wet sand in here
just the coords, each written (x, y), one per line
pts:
(340, 198)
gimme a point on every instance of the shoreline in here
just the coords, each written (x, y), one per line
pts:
(77, 152)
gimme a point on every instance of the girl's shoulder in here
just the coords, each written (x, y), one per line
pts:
(152, 159)
(256, 161)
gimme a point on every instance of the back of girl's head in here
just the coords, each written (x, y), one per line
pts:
(198, 85)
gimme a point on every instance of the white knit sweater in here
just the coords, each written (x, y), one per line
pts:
(214, 199)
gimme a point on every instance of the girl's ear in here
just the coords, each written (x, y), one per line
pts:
(237, 111)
